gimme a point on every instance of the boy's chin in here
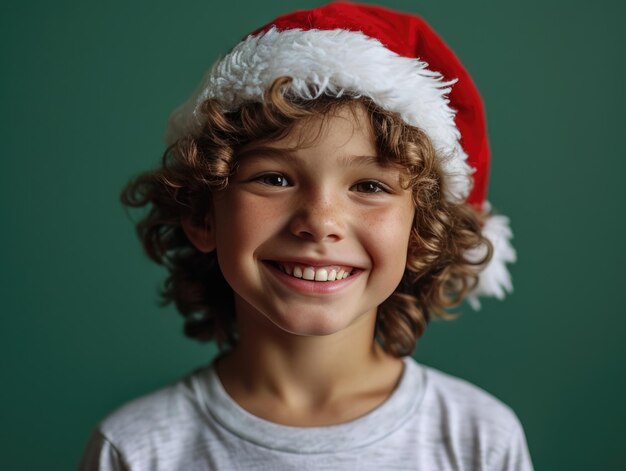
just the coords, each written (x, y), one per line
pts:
(303, 320)
(315, 325)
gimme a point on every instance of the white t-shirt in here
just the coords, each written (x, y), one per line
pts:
(432, 421)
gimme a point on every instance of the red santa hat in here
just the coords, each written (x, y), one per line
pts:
(397, 61)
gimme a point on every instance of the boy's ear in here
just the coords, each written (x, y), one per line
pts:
(202, 237)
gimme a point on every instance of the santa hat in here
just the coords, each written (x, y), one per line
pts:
(394, 59)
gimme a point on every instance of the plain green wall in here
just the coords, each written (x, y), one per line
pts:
(86, 91)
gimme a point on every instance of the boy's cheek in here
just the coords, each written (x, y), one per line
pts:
(389, 221)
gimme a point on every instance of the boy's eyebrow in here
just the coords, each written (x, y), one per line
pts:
(266, 152)
(344, 160)
(354, 160)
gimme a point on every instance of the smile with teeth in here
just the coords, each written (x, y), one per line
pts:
(329, 273)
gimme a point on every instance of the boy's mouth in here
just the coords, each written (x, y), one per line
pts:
(309, 273)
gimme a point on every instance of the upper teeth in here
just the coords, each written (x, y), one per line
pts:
(330, 273)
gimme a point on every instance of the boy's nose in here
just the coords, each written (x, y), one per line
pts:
(318, 219)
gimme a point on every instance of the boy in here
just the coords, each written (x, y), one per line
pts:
(314, 208)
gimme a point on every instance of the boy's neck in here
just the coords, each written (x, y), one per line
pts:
(308, 381)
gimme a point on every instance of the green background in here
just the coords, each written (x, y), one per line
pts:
(86, 90)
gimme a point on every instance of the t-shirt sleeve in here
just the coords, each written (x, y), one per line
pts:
(101, 455)
(514, 456)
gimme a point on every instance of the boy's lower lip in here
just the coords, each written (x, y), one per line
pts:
(311, 287)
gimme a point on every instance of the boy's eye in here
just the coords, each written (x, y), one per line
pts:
(370, 186)
(273, 179)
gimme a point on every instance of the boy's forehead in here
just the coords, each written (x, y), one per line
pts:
(343, 127)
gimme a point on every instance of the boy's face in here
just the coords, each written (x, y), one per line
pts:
(317, 211)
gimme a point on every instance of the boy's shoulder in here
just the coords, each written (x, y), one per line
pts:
(457, 388)
(158, 427)
(156, 415)
(463, 414)
(458, 398)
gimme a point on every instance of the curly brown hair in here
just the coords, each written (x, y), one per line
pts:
(439, 272)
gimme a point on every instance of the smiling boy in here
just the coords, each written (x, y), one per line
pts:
(307, 239)
(313, 216)
(326, 207)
